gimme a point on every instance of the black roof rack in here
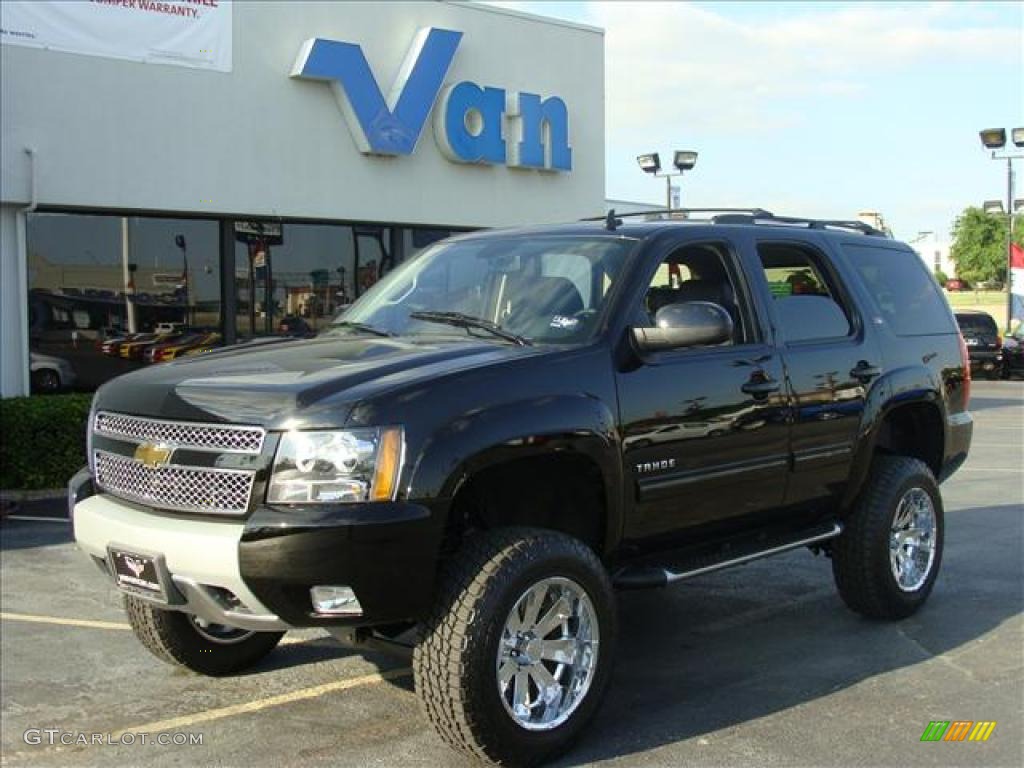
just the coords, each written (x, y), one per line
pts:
(749, 216)
(660, 212)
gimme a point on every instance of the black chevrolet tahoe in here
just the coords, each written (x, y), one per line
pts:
(511, 426)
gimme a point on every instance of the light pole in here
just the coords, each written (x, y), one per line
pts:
(995, 139)
(683, 160)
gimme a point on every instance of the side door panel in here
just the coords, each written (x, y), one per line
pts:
(829, 380)
(699, 450)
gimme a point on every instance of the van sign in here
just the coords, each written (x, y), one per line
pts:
(470, 121)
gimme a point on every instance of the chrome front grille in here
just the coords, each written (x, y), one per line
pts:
(225, 438)
(205, 490)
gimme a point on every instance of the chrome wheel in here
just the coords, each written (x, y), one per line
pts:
(912, 540)
(220, 633)
(547, 655)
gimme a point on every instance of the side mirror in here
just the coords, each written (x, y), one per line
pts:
(688, 324)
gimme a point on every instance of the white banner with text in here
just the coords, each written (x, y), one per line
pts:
(186, 33)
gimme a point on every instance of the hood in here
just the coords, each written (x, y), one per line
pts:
(295, 380)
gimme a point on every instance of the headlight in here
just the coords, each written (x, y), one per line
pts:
(333, 467)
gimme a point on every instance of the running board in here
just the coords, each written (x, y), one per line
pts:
(698, 563)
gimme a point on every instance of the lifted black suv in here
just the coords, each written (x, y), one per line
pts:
(512, 425)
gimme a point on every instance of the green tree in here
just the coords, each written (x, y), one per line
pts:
(979, 245)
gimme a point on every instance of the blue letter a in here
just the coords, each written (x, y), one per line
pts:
(390, 128)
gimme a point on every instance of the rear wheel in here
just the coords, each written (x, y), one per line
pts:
(186, 640)
(887, 559)
(517, 655)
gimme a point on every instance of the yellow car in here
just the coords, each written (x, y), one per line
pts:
(169, 350)
(208, 345)
(133, 350)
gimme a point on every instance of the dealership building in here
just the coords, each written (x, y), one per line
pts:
(246, 169)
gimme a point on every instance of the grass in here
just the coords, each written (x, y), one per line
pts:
(975, 299)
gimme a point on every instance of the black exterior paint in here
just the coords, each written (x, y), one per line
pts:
(690, 444)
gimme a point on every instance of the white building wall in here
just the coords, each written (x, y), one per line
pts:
(934, 251)
(119, 134)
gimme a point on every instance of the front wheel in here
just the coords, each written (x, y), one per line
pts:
(518, 652)
(186, 640)
(887, 559)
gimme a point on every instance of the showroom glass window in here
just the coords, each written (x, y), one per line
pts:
(295, 284)
(84, 289)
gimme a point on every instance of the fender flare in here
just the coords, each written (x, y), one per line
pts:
(911, 385)
(565, 424)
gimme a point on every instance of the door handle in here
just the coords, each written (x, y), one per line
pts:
(865, 371)
(760, 388)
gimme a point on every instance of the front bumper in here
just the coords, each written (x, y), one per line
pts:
(385, 552)
(201, 558)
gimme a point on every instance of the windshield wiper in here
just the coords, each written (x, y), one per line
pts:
(361, 327)
(459, 320)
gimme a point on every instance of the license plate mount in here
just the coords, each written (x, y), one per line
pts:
(141, 574)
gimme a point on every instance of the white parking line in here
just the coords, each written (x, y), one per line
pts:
(87, 623)
(187, 721)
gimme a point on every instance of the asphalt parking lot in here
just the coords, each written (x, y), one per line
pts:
(758, 666)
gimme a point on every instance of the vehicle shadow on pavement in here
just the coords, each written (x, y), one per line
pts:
(735, 647)
(27, 534)
(315, 650)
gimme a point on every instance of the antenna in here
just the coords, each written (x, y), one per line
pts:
(611, 223)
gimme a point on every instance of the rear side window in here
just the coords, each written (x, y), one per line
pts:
(807, 304)
(908, 297)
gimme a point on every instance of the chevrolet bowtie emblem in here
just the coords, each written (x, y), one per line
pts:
(152, 455)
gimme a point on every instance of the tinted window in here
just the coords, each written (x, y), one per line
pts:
(908, 297)
(697, 272)
(977, 324)
(807, 303)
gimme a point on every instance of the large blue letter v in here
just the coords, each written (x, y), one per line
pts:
(390, 128)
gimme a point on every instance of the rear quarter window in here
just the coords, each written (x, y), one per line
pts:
(910, 301)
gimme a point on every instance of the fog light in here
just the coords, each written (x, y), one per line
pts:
(338, 601)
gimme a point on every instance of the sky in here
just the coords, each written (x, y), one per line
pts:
(813, 108)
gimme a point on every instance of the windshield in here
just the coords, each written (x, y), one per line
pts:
(541, 289)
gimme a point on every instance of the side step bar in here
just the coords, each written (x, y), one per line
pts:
(646, 577)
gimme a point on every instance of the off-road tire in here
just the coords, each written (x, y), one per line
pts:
(455, 660)
(172, 637)
(860, 556)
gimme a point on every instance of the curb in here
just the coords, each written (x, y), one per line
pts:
(46, 494)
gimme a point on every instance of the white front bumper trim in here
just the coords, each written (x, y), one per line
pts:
(201, 557)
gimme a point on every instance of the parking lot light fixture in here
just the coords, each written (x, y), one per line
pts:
(993, 138)
(993, 206)
(649, 163)
(1018, 137)
(683, 160)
